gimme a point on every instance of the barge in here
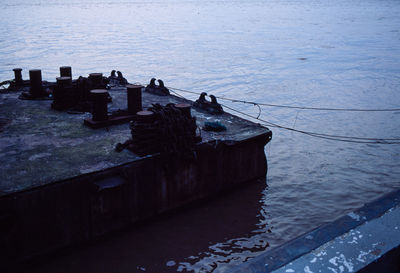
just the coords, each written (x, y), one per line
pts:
(72, 170)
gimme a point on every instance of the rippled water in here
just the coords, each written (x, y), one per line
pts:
(312, 53)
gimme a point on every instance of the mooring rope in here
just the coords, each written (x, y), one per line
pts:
(353, 139)
(350, 139)
(294, 107)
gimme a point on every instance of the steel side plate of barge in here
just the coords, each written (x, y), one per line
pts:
(63, 183)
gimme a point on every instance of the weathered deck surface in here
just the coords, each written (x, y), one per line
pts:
(40, 146)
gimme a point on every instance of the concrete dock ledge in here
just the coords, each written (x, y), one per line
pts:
(366, 240)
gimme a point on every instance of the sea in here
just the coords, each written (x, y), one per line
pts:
(336, 54)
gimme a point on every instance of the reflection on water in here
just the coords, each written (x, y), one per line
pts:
(179, 240)
(223, 255)
(313, 53)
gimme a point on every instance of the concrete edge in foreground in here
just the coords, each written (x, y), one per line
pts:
(357, 241)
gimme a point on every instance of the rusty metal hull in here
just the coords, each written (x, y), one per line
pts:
(58, 203)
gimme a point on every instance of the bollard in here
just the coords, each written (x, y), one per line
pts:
(99, 98)
(35, 79)
(145, 116)
(66, 71)
(64, 81)
(18, 75)
(63, 95)
(184, 108)
(96, 78)
(134, 93)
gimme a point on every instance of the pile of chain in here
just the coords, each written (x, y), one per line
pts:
(170, 133)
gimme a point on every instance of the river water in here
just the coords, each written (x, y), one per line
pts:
(339, 54)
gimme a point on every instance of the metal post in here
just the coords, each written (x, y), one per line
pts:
(35, 79)
(63, 97)
(96, 78)
(99, 98)
(184, 108)
(18, 75)
(66, 71)
(134, 98)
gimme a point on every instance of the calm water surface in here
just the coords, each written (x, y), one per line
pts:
(312, 53)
